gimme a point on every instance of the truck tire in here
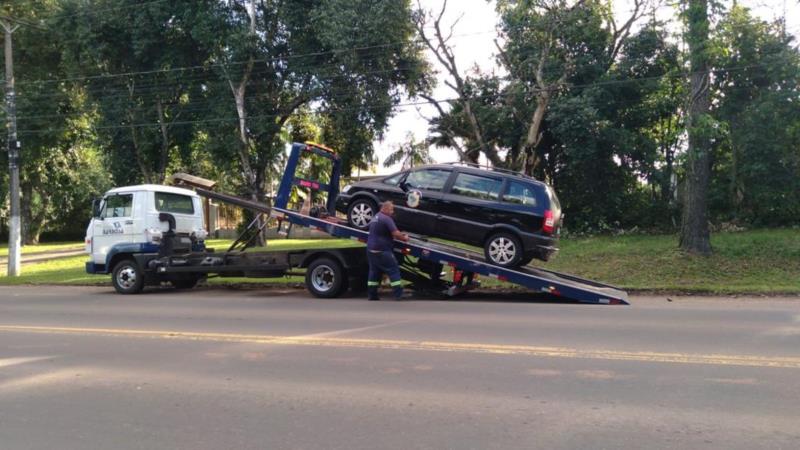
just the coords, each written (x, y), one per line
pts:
(127, 277)
(326, 278)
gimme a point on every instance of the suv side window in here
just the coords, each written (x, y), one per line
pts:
(428, 179)
(118, 206)
(476, 186)
(520, 194)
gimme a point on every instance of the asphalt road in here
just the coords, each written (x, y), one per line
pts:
(83, 368)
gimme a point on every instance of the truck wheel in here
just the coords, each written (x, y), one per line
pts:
(360, 213)
(325, 278)
(503, 249)
(127, 277)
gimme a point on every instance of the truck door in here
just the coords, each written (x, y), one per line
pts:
(114, 226)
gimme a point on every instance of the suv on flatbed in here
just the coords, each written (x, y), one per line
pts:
(514, 218)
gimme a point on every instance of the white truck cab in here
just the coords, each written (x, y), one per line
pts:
(126, 220)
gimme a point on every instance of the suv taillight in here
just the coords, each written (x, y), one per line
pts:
(549, 222)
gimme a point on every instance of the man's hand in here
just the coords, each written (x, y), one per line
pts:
(400, 236)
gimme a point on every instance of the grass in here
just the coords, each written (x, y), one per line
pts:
(761, 261)
(43, 248)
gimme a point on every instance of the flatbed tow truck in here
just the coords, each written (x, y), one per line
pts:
(329, 272)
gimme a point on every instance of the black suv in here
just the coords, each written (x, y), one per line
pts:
(514, 218)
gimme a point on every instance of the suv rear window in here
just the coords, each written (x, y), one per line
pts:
(428, 179)
(174, 203)
(520, 194)
(476, 186)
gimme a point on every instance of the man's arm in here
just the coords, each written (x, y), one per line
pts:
(396, 234)
(399, 235)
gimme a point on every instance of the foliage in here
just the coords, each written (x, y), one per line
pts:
(757, 169)
(117, 92)
(409, 154)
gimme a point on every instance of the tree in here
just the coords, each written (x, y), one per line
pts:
(547, 44)
(409, 154)
(695, 233)
(349, 61)
(144, 98)
(577, 104)
(57, 172)
(756, 170)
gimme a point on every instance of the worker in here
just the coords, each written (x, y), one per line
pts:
(382, 233)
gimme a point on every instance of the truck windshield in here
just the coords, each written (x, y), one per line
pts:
(174, 203)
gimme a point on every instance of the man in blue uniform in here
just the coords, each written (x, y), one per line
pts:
(382, 232)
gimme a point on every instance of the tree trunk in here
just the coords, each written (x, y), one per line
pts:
(695, 234)
(163, 159)
(33, 222)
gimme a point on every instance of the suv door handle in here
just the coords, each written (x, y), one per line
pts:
(128, 222)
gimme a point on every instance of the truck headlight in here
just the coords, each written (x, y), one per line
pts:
(153, 235)
(346, 188)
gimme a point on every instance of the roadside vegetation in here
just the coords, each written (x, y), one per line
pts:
(756, 262)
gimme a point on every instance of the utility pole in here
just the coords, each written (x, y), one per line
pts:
(14, 234)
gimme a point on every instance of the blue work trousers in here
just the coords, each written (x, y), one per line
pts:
(381, 263)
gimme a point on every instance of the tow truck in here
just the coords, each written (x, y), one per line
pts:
(166, 245)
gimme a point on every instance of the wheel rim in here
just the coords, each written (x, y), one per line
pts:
(502, 250)
(322, 278)
(361, 214)
(126, 277)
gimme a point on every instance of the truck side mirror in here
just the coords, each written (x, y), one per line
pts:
(96, 208)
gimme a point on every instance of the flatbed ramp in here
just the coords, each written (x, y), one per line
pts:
(432, 256)
(536, 279)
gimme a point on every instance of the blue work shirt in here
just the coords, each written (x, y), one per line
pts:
(380, 233)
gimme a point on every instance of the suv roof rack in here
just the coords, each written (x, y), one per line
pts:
(492, 168)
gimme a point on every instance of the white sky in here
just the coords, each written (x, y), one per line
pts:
(473, 45)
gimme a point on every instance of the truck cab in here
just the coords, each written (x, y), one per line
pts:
(126, 221)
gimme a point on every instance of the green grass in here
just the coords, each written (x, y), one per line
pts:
(761, 261)
(43, 248)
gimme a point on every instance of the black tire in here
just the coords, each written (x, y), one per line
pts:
(127, 277)
(503, 249)
(325, 278)
(186, 283)
(361, 212)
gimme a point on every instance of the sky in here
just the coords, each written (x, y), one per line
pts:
(473, 44)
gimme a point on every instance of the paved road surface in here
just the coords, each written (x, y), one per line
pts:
(83, 368)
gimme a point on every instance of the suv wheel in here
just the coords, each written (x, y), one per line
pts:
(360, 213)
(127, 277)
(503, 249)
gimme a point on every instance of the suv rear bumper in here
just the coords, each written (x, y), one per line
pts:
(538, 246)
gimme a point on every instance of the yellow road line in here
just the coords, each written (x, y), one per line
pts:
(499, 349)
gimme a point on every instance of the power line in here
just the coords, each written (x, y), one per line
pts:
(238, 63)
(204, 103)
(359, 108)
